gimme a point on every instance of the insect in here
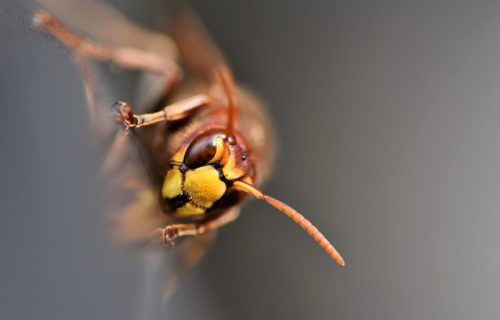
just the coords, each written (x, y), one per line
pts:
(208, 145)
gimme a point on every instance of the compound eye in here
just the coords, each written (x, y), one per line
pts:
(202, 149)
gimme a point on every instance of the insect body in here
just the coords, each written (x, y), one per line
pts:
(209, 149)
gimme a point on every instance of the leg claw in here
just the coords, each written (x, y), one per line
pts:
(125, 114)
(168, 236)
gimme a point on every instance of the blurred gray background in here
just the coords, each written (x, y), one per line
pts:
(388, 115)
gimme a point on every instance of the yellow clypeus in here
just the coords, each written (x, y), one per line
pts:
(203, 186)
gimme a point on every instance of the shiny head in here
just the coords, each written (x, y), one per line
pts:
(201, 174)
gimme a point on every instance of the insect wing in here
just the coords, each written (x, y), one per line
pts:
(197, 49)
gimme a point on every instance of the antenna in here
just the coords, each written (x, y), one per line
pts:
(295, 216)
(227, 82)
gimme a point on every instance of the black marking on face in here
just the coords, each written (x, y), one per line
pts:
(222, 177)
(177, 202)
(229, 199)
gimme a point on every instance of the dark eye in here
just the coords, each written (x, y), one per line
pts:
(201, 150)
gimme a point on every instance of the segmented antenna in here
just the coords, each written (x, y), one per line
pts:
(295, 216)
(227, 82)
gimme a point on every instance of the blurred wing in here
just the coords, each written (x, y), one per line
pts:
(98, 97)
(189, 254)
(204, 61)
(130, 198)
(198, 51)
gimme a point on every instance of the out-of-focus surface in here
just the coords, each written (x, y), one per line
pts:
(388, 115)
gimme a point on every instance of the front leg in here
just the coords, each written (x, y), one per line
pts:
(177, 111)
(123, 56)
(170, 233)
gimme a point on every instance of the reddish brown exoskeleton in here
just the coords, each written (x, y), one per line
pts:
(206, 151)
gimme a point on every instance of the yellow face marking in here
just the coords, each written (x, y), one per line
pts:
(230, 170)
(179, 155)
(172, 185)
(203, 186)
(219, 150)
(188, 210)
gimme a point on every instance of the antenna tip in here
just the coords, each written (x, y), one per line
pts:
(341, 262)
(335, 255)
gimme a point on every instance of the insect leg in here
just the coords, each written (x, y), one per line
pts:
(177, 111)
(170, 233)
(126, 57)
